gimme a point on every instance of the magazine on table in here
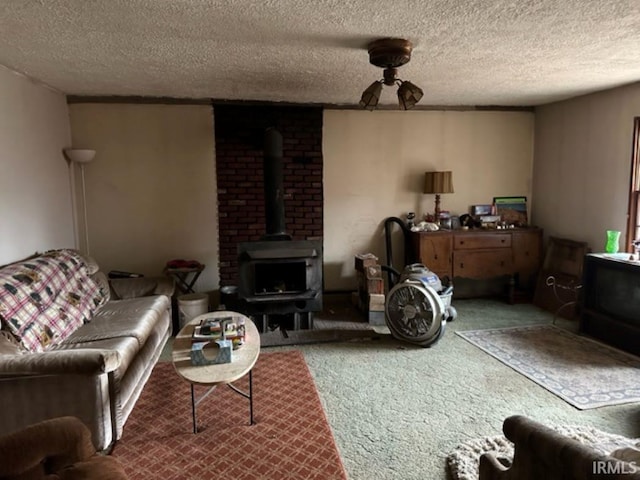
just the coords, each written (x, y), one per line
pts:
(210, 329)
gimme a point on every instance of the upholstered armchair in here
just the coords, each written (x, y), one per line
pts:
(542, 453)
(59, 448)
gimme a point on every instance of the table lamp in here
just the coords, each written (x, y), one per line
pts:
(438, 183)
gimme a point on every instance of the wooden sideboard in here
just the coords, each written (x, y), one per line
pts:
(512, 254)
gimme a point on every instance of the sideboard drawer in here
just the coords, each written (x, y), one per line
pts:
(475, 241)
(482, 263)
(482, 254)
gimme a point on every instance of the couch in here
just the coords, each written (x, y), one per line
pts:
(58, 448)
(72, 346)
(543, 453)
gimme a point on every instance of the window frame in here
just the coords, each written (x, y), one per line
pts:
(633, 213)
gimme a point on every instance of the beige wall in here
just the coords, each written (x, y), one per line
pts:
(374, 164)
(152, 196)
(35, 193)
(583, 153)
(151, 189)
(151, 192)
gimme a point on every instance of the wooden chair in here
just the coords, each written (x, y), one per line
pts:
(560, 278)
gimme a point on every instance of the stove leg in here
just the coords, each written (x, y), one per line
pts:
(262, 322)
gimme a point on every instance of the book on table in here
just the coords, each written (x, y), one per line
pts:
(211, 329)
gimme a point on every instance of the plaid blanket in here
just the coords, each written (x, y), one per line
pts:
(44, 299)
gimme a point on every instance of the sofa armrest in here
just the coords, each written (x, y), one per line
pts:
(81, 361)
(166, 286)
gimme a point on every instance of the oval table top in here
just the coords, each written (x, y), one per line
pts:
(243, 359)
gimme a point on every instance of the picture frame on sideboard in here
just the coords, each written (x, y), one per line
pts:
(512, 210)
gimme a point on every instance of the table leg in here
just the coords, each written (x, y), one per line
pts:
(193, 410)
(194, 403)
(250, 397)
(184, 283)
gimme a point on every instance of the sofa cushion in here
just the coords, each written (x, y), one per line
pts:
(135, 317)
(46, 298)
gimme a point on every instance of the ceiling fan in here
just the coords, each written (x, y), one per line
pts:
(390, 54)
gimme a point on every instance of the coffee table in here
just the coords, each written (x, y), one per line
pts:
(244, 358)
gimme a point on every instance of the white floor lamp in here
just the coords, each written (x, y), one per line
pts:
(81, 156)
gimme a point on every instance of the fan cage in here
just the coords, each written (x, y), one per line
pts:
(415, 313)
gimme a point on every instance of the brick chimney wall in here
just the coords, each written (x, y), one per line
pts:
(239, 132)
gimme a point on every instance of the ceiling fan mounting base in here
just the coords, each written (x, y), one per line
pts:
(390, 52)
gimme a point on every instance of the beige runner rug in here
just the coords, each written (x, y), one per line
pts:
(583, 372)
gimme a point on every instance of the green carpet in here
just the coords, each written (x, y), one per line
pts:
(397, 410)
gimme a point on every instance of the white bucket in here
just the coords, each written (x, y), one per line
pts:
(192, 305)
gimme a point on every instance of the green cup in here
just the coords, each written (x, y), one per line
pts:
(613, 237)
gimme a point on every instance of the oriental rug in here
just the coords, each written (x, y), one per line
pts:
(291, 438)
(583, 372)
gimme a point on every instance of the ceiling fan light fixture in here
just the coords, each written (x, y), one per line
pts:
(371, 96)
(390, 76)
(408, 95)
(389, 54)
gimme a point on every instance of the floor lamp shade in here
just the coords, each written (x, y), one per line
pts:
(79, 155)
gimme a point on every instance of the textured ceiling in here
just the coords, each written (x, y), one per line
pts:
(466, 52)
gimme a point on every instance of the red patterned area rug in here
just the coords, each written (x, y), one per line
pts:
(290, 439)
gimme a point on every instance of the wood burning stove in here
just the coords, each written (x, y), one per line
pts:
(278, 275)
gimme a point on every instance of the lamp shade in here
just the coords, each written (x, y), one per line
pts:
(79, 155)
(408, 95)
(371, 96)
(438, 182)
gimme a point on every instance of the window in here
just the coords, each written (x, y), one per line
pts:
(633, 228)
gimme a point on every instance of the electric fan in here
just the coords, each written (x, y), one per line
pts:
(414, 310)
